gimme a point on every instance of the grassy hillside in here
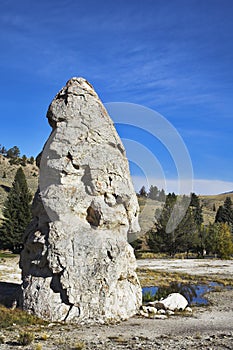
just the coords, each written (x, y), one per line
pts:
(211, 202)
(7, 174)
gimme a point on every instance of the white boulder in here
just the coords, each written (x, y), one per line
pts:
(175, 301)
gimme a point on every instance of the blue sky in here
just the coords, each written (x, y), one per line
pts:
(172, 56)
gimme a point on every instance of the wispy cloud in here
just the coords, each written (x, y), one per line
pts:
(199, 186)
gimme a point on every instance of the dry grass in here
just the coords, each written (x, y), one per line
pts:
(17, 317)
(148, 277)
(208, 202)
(7, 255)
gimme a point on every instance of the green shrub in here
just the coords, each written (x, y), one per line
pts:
(147, 297)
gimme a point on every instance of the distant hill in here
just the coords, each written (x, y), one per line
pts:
(213, 202)
(7, 174)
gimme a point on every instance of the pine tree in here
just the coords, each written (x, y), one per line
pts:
(185, 235)
(162, 196)
(31, 160)
(23, 161)
(13, 152)
(153, 192)
(17, 214)
(159, 240)
(225, 212)
(197, 209)
(142, 192)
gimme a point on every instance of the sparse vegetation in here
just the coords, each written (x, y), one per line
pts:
(38, 347)
(7, 255)
(9, 317)
(78, 346)
(147, 297)
(44, 336)
(26, 338)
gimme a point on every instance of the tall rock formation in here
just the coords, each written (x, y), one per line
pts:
(77, 264)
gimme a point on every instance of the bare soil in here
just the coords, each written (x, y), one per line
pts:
(207, 328)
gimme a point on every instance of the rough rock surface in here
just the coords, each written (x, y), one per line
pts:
(77, 264)
(175, 301)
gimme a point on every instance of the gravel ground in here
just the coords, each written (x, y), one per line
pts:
(207, 328)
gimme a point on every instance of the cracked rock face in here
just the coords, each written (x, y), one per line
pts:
(77, 264)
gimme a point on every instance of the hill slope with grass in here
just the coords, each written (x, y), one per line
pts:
(7, 174)
(210, 205)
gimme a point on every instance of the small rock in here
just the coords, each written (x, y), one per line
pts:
(151, 310)
(161, 312)
(135, 338)
(152, 303)
(188, 309)
(144, 308)
(160, 317)
(144, 314)
(175, 301)
(170, 312)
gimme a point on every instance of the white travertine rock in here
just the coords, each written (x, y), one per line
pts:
(175, 301)
(77, 264)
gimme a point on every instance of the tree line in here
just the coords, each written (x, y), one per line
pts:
(13, 154)
(191, 235)
(153, 193)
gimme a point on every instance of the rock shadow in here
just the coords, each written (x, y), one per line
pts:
(10, 294)
(5, 188)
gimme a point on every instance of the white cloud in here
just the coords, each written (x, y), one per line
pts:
(199, 186)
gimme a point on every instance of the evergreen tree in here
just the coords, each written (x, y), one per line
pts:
(23, 161)
(3, 150)
(184, 237)
(153, 192)
(31, 160)
(159, 240)
(142, 192)
(13, 152)
(225, 212)
(17, 214)
(198, 219)
(162, 196)
(197, 209)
